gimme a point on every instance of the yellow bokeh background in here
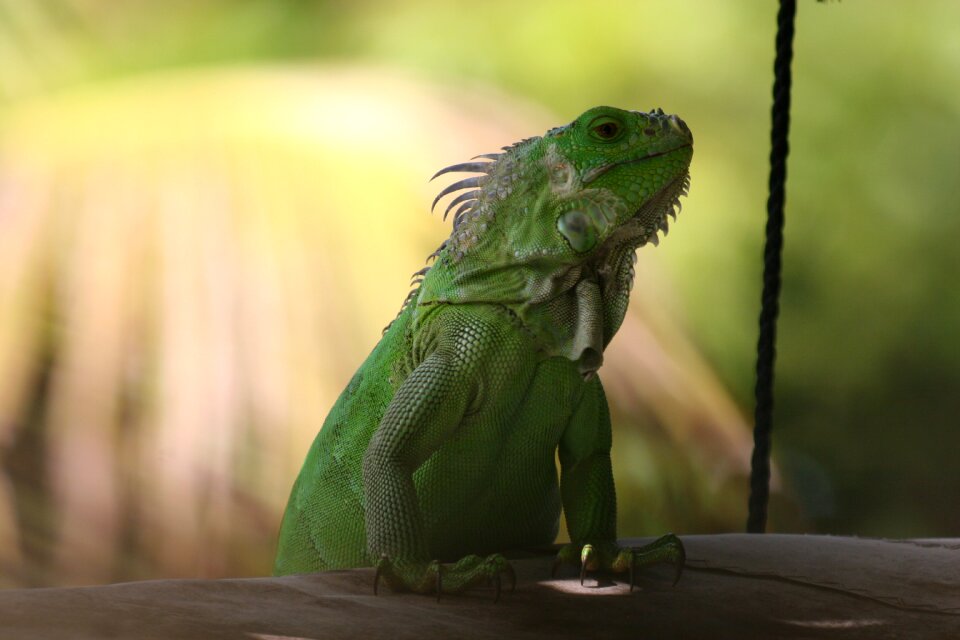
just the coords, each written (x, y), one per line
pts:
(208, 212)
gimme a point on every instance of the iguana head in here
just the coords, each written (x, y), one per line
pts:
(552, 212)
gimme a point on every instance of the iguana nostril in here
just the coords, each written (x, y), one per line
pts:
(657, 117)
(678, 125)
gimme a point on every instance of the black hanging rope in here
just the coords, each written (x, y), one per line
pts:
(770, 301)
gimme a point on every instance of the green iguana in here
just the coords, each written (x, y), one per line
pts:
(442, 447)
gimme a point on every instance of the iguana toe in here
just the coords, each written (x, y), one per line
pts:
(665, 549)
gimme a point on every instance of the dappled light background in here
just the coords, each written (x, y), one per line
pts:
(208, 212)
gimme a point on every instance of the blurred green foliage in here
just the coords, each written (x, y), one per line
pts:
(869, 352)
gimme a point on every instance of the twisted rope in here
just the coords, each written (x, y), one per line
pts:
(770, 299)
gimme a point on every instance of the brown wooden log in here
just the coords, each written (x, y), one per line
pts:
(735, 586)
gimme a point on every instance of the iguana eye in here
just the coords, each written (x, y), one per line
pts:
(605, 128)
(578, 229)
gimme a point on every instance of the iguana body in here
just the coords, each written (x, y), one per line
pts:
(443, 444)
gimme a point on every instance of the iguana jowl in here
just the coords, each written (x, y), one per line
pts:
(442, 446)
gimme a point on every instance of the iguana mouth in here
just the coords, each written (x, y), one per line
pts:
(655, 154)
(596, 172)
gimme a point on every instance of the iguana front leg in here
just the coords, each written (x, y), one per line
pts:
(426, 410)
(589, 498)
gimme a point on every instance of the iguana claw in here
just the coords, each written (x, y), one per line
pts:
(681, 559)
(589, 561)
(439, 567)
(376, 575)
(513, 577)
(585, 556)
(507, 570)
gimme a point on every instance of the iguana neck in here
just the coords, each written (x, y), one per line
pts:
(572, 313)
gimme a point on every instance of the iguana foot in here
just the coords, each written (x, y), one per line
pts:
(436, 577)
(611, 557)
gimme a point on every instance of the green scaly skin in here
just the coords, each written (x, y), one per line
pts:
(441, 448)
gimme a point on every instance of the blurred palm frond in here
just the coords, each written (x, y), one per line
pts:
(193, 263)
